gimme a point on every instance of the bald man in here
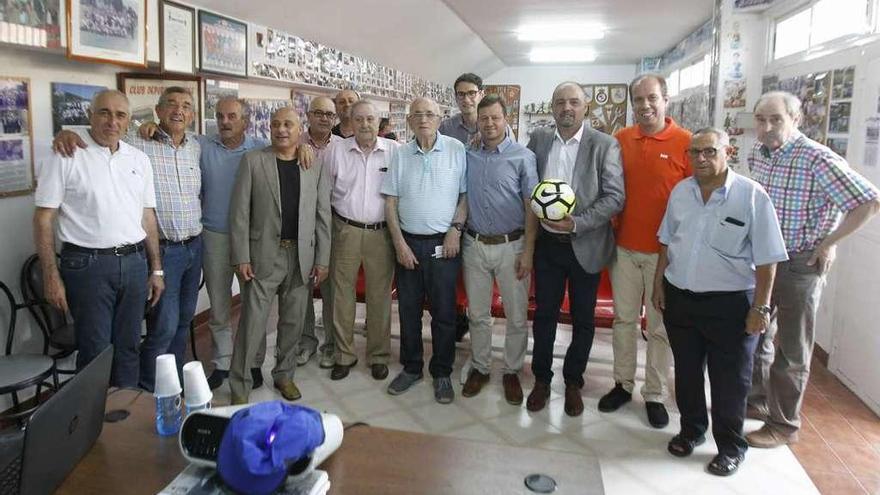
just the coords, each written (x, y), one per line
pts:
(280, 239)
(344, 100)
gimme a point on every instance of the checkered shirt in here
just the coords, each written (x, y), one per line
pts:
(811, 188)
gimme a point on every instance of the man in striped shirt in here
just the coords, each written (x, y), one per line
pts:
(820, 200)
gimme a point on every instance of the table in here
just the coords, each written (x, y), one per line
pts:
(130, 458)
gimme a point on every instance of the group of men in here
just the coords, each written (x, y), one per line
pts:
(690, 240)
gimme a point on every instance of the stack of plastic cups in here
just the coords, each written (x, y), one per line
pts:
(195, 383)
(167, 392)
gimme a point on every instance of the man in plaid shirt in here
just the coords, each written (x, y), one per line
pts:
(819, 200)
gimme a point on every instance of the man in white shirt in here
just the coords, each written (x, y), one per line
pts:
(104, 200)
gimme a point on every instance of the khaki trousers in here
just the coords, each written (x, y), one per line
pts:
(485, 264)
(284, 281)
(353, 246)
(632, 280)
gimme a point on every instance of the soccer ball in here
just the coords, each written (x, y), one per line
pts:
(552, 199)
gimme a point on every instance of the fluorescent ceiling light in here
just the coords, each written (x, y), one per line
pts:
(560, 32)
(562, 54)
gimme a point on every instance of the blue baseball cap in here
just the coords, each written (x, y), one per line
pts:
(261, 441)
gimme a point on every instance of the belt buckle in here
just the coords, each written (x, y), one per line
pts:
(116, 250)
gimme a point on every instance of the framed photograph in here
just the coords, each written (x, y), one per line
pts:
(31, 22)
(223, 45)
(107, 31)
(16, 137)
(70, 105)
(177, 38)
(144, 90)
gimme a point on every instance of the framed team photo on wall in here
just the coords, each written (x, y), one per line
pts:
(223, 44)
(108, 31)
(177, 38)
(16, 137)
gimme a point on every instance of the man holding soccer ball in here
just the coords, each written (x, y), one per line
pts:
(576, 248)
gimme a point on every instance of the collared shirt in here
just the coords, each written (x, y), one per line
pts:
(219, 166)
(652, 166)
(560, 162)
(811, 187)
(498, 181)
(100, 195)
(306, 138)
(715, 246)
(455, 127)
(427, 184)
(356, 178)
(178, 182)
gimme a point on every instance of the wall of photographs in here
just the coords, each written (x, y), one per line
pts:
(511, 95)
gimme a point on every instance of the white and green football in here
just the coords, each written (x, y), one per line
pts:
(552, 199)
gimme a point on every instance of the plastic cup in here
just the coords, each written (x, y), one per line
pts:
(195, 383)
(167, 382)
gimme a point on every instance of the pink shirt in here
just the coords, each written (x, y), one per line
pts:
(306, 138)
(356, 178)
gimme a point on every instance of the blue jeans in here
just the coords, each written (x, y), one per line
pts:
(106, 295)
(168, 322)
(434, 279)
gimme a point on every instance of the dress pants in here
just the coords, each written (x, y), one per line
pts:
(707, 329)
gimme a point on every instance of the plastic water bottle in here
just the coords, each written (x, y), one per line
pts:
(198, 407)
(168, 415)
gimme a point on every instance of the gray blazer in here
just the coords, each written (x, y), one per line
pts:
(255, 215)
(598, 187)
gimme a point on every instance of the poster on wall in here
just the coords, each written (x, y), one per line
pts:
(838, 121)
(70, 105)
(261, 116)
(223, 44)
(843, 83)
(31, 22)
(607, 105)
(104, 31)
(814, 91)
(16, 137)
(177, 38)
(301, 104)
(214, 90)
(510, 93)
(143, 92)
(734, 94)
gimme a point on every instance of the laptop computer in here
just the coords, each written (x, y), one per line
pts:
(65, 427)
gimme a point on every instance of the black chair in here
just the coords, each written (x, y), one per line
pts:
(56, 325)
(22, 371)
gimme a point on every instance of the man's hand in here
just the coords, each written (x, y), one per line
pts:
(824, 256)
(305, 156)
(658, 298)
(756, 323)
(523, 265)
(245, 271)
(66, 142)
(564, 225)
(405, 256)
(451, 243)
(147, 130)
(55, 293)
(155, 288)
(319, 274)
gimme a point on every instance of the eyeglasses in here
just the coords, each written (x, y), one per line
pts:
(706, 152)
(421, 115)
(466, 94)
(323, 115)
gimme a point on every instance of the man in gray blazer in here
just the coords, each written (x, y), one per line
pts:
(576, 248)
(280, 241)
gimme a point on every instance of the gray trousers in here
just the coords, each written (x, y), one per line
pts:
(781, 372)
(218, 273)
(309, 340)
(285, 281)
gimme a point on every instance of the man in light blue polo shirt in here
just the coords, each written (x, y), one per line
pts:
(719, 245)
(498, 246)
(425, 207)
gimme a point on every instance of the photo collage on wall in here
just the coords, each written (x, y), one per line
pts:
(840, 110)
(214, 90)
(70, 105)
(31, 23)
(16, 142)
(607, 105)
(511, 95)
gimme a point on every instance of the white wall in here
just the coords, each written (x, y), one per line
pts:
(538, 82)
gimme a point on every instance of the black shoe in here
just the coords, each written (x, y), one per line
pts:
(341, 371)
(725, 465)
(257, 376)
(612, 401)
(681, 446)
(216, 378)
(379, 371)
(657, 415)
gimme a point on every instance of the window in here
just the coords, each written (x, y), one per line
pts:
(692, 76)
(823, 21)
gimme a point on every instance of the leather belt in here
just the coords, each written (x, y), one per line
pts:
(495, 239)
(424, 236)
(564, 238)
(365, 226)
(287, 243)
(123, 250)
(183, 242)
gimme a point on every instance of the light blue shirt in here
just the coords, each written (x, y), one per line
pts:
(498, 181)
(219, 166)
(715, 246)
(427, 184)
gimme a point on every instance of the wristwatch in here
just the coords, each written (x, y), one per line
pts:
(458, 226)
(158, 273)
(763, 310)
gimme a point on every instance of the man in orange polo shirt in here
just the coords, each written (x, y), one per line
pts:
(654, 153)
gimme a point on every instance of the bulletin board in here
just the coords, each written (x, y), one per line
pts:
(607, 105)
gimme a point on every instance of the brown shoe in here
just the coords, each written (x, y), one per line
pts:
(288, 390)
(475, 382)
(513, 393)
(767, 437)
(574, 403)
(538, 398)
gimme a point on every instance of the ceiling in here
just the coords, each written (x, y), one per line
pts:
(440, 39)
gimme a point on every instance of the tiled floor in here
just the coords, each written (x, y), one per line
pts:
(839, 450)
